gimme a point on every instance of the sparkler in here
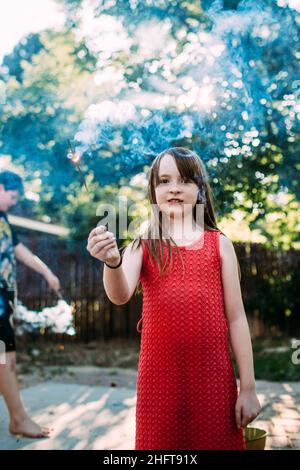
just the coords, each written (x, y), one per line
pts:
(75, 156)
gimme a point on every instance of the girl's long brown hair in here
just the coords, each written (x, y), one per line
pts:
(191, 167)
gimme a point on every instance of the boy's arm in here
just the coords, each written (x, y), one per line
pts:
(238, 328)
(24, 255)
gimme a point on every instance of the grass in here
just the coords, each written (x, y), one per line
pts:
(272, 357)
(273, 360)
(276, 367)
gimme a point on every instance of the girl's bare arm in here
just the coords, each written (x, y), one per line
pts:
(119, 283)
(235, 313)
(247, 407)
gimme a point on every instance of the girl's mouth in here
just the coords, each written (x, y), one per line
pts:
(175, 201)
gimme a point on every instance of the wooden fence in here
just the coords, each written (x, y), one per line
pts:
(97, 318)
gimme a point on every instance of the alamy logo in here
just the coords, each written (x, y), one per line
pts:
(155, 215)
(2, 353)
(296, 354)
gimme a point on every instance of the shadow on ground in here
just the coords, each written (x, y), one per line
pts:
(93, 408)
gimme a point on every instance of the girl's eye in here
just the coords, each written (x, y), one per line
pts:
(166, 181)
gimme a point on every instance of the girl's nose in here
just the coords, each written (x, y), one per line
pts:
(175, 190)
(175, 186)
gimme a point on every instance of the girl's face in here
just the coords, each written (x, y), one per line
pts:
(172, 186)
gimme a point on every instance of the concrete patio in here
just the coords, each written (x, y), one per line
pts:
(93, 416)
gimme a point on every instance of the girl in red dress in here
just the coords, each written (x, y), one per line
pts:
(187, 397)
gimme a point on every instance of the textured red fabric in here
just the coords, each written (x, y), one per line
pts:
(186, 387)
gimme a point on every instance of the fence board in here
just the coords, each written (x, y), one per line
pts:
(96, 317)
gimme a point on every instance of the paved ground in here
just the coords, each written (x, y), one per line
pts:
(94, 408)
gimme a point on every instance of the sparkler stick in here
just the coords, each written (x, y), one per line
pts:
(75, 156)
(59, 295)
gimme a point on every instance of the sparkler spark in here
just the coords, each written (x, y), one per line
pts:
(75, 156)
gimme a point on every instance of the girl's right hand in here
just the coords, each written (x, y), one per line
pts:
(103, 246)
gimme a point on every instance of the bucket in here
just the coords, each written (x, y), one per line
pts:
(255, 438)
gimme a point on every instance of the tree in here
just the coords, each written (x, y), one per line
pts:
(130, 78)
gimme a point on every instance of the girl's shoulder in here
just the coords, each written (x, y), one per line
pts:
(135, 246)
(138, 248)
(219, 240)
(226, 246)
(226, 242)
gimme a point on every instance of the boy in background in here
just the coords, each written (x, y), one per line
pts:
(11, 249)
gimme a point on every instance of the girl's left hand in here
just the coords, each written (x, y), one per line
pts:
(247, 408)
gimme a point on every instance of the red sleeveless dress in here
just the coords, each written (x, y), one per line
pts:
(186, 386)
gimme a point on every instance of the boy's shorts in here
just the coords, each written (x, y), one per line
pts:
(7, 334)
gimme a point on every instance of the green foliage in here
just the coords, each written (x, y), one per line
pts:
(54, 77)
(275, 296)
(273, 360)
(22, 53)
(276, 367)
